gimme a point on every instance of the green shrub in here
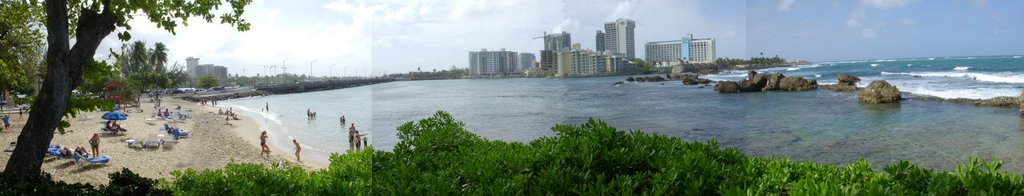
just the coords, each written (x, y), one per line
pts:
(438, 156)
(348, 174)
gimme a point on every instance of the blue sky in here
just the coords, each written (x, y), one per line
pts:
(878, 29)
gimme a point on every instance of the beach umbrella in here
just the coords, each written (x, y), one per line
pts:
(114, 116)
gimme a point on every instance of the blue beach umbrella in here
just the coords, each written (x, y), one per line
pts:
(114, 116)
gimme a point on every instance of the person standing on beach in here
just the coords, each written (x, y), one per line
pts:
(268, 106)
(7, 121)
(263, 144)
(297, 150)
(95, 143)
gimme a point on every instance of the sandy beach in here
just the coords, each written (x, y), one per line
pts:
(213, 143)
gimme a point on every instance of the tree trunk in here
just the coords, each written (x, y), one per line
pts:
(64, 73)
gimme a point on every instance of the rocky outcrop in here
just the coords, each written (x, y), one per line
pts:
(845, 82)
(847, 79)
(695, 81)
(727, 87)
(797, 84)
(1020, 103)
(773, 81)
(754, 82)
(879, 91)
(630, 79)
(647, 79)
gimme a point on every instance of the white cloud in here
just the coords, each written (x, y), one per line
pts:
(276, 34)
(785, 5)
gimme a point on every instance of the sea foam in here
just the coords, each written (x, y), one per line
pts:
(961, 68)
(984, 77)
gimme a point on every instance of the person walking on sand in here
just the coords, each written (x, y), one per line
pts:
(263, 144)
(268, 106)
(95, 143)
(298, 149)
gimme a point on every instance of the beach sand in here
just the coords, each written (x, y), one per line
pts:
(212, 144)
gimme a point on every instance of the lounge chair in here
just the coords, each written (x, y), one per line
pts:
(80, 160)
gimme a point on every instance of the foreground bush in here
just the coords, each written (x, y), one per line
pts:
(124, 182)
(348, 174)
(437, 156)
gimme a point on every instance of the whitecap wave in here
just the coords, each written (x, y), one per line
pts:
(1016, 57)
(970, 93)
(961, 68)
(931, 58)
(984, 77)
(885, 60)
(817, 75)
(874, 64)
(908, 65)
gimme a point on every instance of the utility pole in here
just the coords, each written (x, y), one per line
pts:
(311, 67)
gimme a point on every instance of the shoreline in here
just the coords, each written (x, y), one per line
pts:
(278, 140)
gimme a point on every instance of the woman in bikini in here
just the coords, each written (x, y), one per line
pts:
(95, 143)
(263, 144)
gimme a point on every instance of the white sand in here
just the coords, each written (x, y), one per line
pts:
(212, 144)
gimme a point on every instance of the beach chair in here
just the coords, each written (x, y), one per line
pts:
(80, 160)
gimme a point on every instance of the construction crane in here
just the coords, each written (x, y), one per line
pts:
(284, 69)
(542, 36)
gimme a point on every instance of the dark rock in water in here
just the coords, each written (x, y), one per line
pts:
(847, 79)
(773, 81)
(754, 82)
(701, 87)
(846, 82)
(689, 79)
(630, 79)
(797, 84)
(617, 83)
(654, 79)
(879, 91)
(640, 79)
(727, 87)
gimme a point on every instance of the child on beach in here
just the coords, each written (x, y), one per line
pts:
(95, 143)
(297, 150)
(263, 144)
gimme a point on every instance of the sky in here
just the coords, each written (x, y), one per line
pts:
(294, 33)
(362, 37)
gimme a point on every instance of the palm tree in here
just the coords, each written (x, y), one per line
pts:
(158, 56)
(138, 58)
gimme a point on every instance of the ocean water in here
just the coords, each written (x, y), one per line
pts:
(820, 125)
(319, 137)
(979, 77)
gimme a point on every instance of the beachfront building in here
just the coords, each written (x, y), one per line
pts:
(526, 61)
(698, 50)
(499, 63)
(618, 37)
(664, 53)
(195, 70)
(589, 63)
(599, 39)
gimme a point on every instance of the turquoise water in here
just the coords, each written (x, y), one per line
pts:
(947, 77)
